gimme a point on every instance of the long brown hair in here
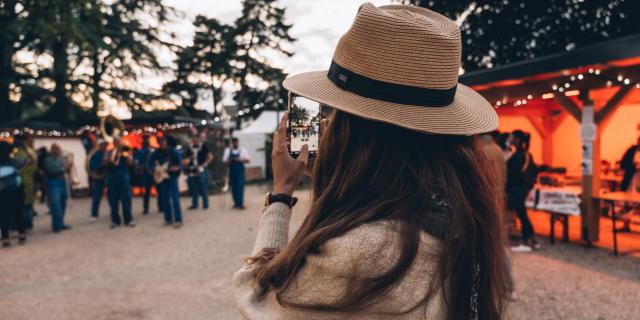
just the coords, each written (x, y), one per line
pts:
(368, 171)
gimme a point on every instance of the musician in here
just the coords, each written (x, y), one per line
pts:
(166, 164)
(118, 160)
(199, 158)
(97, 171)
(27, 161)
(55, 169)
(236, 157)
(142, 169)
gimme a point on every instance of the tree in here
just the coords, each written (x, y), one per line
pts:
(203, 65)
(9, 40)
(498, 32)
(260, 30)
(122, 46)
(98, 50)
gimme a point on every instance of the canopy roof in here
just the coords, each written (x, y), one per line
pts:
(610, 63)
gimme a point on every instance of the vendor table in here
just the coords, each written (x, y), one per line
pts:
(611, 198)
(559, 202)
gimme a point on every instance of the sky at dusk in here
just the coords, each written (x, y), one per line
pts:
(317, 24)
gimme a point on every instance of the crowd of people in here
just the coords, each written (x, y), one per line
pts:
(113, 167)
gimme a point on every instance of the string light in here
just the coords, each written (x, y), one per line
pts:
(87, 128)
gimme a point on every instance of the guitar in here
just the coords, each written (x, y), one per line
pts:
(161, 172)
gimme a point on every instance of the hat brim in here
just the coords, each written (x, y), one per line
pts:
(468, 114)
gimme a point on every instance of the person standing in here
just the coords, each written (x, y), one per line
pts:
(26, 160)
(201, 157)
(520, 170)
(191, 171)
(142, 169)
(628, 165)
(236, 157)
(118, 161)
(41, 179)
(55, 168)
(166, 164)
(11, 197)
(97, 173)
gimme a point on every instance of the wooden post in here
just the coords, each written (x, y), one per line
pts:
(590, 170)
(546, 125)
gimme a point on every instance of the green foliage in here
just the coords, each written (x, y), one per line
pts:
(96, 48)
(298, 115)
(87, 52)
(498, 32)
(260, 29)
(203, 65)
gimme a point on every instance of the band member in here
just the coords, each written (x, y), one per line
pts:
(55, 168)
(142, 169)
(118, 161)
(166, 164)
(198, 173)
(11, 197)
(26, 160)
(236, 157)
(97, 172)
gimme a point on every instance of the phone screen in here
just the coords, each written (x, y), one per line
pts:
(304, 124)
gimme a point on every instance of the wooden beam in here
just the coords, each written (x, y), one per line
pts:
(538, 124)
(612, 104)
(569, 106)
(552, 124)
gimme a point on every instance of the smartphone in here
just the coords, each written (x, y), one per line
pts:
(303, 126)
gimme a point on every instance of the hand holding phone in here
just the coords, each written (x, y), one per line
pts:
(287, 170)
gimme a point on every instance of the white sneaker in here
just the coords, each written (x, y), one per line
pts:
(521, 248)
(93, 219)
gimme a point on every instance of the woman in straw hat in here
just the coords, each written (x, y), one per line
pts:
(405, 221)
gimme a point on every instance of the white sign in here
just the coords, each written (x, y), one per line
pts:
(588, 132)
(557, 200)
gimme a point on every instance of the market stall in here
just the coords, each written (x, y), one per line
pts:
(582, 108)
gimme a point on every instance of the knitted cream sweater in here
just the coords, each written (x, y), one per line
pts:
(365, 251)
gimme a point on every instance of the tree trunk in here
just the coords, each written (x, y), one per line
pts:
(7, 17)
(95, 83)
(61, 107)
(6, 75)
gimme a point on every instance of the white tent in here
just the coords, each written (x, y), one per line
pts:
(254, 138)
(73, 147)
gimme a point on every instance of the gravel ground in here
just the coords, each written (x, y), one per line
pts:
(155, 272)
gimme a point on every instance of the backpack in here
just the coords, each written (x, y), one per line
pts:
(529, 171)
(9, 178)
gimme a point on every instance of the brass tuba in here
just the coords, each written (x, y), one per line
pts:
(111, 128)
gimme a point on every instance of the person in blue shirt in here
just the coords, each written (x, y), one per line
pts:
(142, 169)
(236, 158)
(11, 197)
(118, 160)
(166, 164)
(97, 171)
(55, 169)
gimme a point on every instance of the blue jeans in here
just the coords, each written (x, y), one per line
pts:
(96, 196)
(119, 192)
(147, 181)
(236, 180)
(199, 187)
(170, 195)
(57, 194)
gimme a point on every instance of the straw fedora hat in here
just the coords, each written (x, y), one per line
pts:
(399, 64)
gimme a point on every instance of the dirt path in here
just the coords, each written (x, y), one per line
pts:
(154, 272)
